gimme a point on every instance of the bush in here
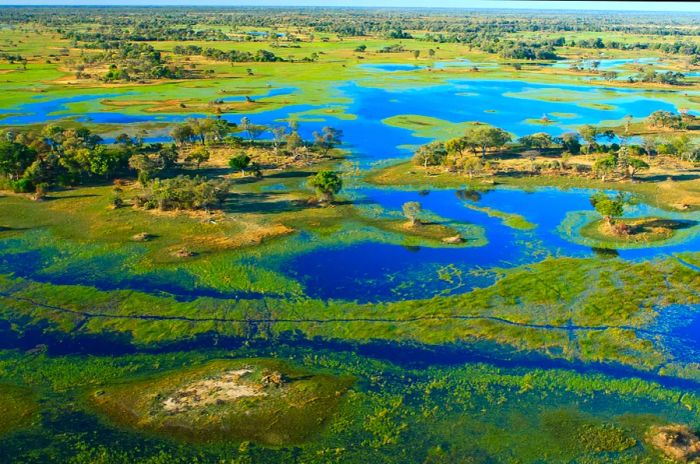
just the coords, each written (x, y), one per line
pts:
(23, 186)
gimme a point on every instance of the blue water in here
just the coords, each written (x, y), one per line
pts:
(503, 103)
(609, 64)
(376, 271)
(389, 67)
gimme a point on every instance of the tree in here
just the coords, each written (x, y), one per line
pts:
(608, 207)
(199, 127)
(665, 119)
(457, 145)
(589, 133)
(327, 139)
(240, 163)
(684, 147)
(254, 130)
(538, 141)
(198, 156)
(650, 144)
(15, 158)
(635, 165)
(592, 134)
(327, 185)
(182, 134)
(102, 162)
(604, 166)
(431, 154)
(411, 209)
(168, 156)
(279, 133)
(183, 192)
(294, 141)
(145, 167)
(217, 129)
(471, 165)
(416, 54)
(571, 143)
(487, 137)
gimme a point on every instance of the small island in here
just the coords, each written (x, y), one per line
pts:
(620, 231)
(258, 400)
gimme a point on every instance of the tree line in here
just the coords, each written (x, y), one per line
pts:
(468, 154)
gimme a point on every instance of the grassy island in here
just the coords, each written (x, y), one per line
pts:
(638, 231)
(247, 399)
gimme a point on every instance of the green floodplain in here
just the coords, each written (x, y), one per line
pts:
(344, 235)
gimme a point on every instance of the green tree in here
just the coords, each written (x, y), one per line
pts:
(538, 141)
(571, 143)
(102, 162)
(609, 207)
(431, 154)
(471, 165)
(145, 166)
(254, 130)
(327, 185)
(198, 155)
(605, 166)
(589, 133)
(15, 158)
(487, 137)
(182, 134)
(240, 163)
(294, 142)
(635, 165)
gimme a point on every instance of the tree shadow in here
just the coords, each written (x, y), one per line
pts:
(661, 177)
(261, 203)
(671, 224)
(69, 197)
(289, 174)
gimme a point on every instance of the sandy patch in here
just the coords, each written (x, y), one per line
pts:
(225, 388)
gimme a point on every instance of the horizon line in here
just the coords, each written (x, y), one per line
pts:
(506, 5)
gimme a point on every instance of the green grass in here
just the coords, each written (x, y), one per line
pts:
(279, 415)
(19, 408)
(429, 127)
(512, 220)
(470, 409)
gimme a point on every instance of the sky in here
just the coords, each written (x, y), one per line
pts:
(514, 4)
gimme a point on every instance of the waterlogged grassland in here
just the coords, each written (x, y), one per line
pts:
(428, 127)
(228, 400)
(674, 192)
(512, 220)
(314, 82)
(573, 309)
(77, 279)
(588, 228)
(19, 408)
(482, 411)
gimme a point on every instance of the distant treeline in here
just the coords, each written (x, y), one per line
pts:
(231, 55)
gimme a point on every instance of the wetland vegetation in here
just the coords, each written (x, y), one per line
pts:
(256, 235)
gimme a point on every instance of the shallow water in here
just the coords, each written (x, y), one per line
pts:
(372, 271)
(378, 271)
